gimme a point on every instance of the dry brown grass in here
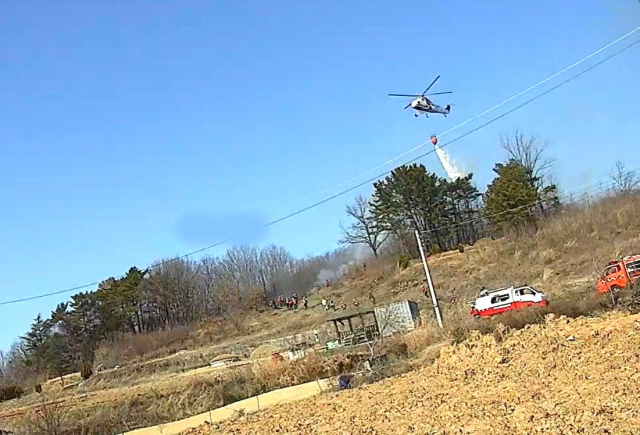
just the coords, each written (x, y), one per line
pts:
(272, 375)
(143, 347)
(562, 258)
(168, 402)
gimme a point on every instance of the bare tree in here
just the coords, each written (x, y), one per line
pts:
(172, 289)
(530, 153)
(365, 229)
(625, 181)
(389, 323)
(3, 368)
(230, 301)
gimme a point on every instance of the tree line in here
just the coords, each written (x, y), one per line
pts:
(182, 291)
(448, 213)
(170, 293)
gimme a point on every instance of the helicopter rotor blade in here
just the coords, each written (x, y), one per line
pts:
(440, 93)
(407, 106)
(432, 83)
(404, 95)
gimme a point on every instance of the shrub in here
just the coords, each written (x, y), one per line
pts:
(11, 392)
(403, 261)
(461, 248)
(38, 388)
(396, 347)
(86, 371)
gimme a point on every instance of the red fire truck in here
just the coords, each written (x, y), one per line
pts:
(619, 274)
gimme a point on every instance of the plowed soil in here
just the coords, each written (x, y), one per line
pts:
(561, 377)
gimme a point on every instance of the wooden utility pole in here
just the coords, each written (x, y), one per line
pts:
(434, 299)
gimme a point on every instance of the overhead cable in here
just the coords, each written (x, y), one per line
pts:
(519, 94)
(345, 191)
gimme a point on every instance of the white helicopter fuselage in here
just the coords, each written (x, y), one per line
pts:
(423, 105)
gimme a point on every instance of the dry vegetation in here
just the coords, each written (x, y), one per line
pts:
(563, 376)
(161, 378)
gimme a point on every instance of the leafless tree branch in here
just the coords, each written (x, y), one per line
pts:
(530, 153)
(625, 181)
(364, 229)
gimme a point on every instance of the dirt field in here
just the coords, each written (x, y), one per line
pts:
(566, 376)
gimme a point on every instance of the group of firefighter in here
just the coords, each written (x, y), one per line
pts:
(290, 303)
(293, 302)
(327, 304)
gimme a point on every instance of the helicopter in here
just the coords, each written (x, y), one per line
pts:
(421, 104)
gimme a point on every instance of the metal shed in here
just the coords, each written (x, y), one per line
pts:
(397, 317)
(356, 328)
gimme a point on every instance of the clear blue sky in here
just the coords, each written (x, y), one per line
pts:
(133, 131)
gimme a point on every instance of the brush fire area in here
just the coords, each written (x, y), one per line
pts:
(561, 376)
(540, 377)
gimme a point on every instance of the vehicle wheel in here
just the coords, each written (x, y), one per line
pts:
(615, 289)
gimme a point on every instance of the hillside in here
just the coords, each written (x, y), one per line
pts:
(566, 376)
(563, 258)
(169, 381)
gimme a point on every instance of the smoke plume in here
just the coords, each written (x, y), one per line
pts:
(338, 262)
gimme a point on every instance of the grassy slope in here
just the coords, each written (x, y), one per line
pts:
(562, 259)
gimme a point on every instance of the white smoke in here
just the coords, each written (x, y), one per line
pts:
(330, 274)
(453, 171)
(340, 262)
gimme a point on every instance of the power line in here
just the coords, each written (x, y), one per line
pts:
(573, 65)
(345, 191)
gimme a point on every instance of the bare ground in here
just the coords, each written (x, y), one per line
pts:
(565, 376)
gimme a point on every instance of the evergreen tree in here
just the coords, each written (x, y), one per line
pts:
(408, 198)
(411, 198)
(512, 196)
(82, 327)
(35, 343)
(59, 356)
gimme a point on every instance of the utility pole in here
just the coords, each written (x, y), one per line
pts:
(434, 299)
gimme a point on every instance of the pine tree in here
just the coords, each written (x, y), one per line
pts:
(59, 356)
(411, 198)
(512, 196)
(35, 343)
(82, 327)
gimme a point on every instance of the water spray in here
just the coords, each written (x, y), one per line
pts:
(453, 171)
